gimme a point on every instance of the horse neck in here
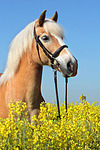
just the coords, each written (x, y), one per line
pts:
(28, 77)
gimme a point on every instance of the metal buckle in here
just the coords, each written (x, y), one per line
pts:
(53, 64)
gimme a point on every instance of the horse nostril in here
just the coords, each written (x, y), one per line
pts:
(70, 66)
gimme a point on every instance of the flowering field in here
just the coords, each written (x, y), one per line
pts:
(77, 130)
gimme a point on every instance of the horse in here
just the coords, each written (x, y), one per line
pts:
(29, 51)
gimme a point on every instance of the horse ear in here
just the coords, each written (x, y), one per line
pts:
(42, 18)
(55, 17)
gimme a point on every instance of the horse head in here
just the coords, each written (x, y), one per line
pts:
(51, 49)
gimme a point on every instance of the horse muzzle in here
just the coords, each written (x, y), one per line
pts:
(68, 69)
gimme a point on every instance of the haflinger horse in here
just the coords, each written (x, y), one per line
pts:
(32, 48)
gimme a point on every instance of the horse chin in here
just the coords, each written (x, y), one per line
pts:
(63, 73)
(66, 73)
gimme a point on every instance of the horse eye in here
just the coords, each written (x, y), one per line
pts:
(45, 38)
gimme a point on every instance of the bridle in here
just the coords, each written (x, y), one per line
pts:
(52, 58)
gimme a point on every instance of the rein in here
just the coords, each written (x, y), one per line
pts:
(56, 89)
(52, 58)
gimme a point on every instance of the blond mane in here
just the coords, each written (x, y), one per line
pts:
(19, 44)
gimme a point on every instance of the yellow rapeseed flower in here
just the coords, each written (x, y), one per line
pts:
(79, 128)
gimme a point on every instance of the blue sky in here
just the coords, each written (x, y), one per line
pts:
(81, 22)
